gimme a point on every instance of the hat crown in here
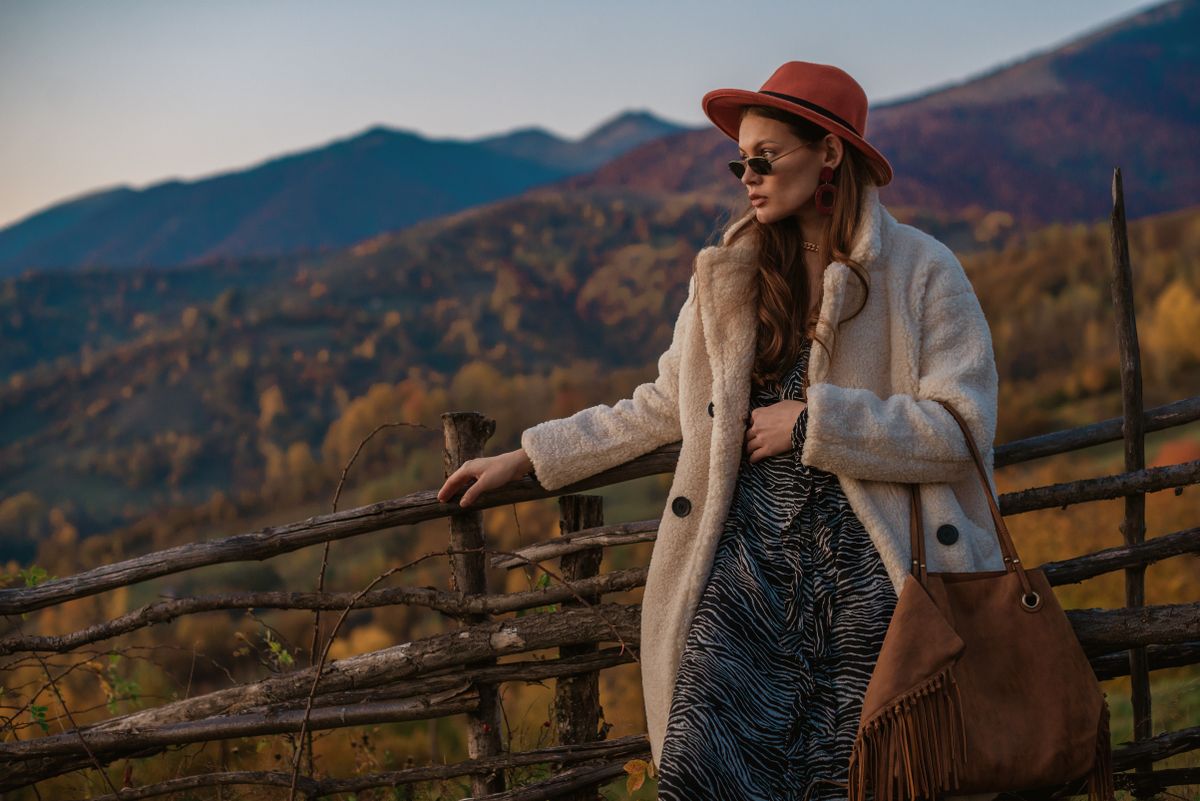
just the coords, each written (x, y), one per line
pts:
(820, 93)
(824, 85)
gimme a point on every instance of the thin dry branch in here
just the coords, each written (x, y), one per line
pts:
(1119, 557)
(622, 748)
(1159, 418)
(574, 541)
(1152, 479)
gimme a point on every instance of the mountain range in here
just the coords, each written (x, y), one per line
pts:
(317, 200)
(1030, 142)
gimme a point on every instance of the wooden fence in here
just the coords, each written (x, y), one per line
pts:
(459, 672)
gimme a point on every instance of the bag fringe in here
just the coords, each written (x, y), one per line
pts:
(914, 748)
(1100, 784)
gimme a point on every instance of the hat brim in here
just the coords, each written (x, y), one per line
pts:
(724, 108)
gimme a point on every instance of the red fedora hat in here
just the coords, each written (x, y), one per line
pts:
(821, 93)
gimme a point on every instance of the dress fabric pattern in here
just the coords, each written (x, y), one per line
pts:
(784, 638)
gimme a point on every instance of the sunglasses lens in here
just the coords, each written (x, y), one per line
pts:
(760, 165)
(737, 168)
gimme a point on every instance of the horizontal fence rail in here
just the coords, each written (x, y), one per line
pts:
(417, 507)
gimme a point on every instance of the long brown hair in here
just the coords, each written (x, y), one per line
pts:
(782, 277)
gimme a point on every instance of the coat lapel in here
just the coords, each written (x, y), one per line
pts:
(727, 277)
(841, 291)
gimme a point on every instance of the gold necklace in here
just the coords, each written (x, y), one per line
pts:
(810, 246)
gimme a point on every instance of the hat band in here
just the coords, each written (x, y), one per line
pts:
(810, 105)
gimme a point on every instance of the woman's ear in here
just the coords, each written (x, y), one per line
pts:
(833, 150)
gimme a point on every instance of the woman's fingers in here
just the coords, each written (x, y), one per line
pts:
(477, 475)
(485, 481)
(454, 482)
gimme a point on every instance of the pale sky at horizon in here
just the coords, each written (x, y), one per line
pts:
(134, 92)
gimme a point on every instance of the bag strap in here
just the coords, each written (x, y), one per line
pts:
(1012, 561)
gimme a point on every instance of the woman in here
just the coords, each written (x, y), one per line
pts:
(803, 379)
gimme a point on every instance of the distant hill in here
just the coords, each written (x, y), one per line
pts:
(1028, 143)
(1036, 139)
(131, 389)
(316, 200)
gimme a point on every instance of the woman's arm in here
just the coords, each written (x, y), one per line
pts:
(592, 440)
(903, 438)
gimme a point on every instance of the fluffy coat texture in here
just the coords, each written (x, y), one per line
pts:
(873, 419)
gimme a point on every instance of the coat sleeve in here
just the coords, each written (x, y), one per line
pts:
(907, 438)
(595, 439)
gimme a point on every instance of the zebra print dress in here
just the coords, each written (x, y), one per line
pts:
(778, 656)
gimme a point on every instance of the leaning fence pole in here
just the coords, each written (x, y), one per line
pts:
(577, 698)
(1133, 528)
(465, 435)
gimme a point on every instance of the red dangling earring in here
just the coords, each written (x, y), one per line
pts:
(826, 191)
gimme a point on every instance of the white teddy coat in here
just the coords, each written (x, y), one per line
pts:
(873, 420)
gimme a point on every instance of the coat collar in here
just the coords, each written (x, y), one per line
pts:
(726, 278)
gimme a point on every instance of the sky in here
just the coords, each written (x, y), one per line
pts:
(133, 92)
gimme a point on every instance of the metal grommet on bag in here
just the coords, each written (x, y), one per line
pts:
(1031, 601)
(710, 408)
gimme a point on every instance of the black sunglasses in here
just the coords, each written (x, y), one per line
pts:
(760, 164)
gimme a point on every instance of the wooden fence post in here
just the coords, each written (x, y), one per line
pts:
(1133, 528)
(465, 434)
(577, 698)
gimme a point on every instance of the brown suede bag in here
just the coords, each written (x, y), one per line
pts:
(981, 685)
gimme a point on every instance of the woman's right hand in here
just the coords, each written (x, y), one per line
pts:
(488, 473)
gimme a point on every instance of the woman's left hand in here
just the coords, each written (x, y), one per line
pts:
(770, 430)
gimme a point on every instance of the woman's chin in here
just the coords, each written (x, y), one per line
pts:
(764, 215)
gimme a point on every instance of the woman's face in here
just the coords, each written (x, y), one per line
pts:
(788, 189)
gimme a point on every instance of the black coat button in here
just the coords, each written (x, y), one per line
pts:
(710, 409)
(947, 534)
(681, 506)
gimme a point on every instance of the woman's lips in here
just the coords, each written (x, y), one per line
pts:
(757, 201)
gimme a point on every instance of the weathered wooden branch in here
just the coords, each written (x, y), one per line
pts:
(115, 744)
(465, 434)
(575, 714)
(1156, 748)
(1104, 630)
(619, 749)
(272, 541)
(1123, 759)
(1152, 479)
(1144, 784)
(572, 542)
(1133, 526)
(452, 604)
(534, 671)
(561, 785)
(1119, 557)
(1112, 665)
(1159, 418)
